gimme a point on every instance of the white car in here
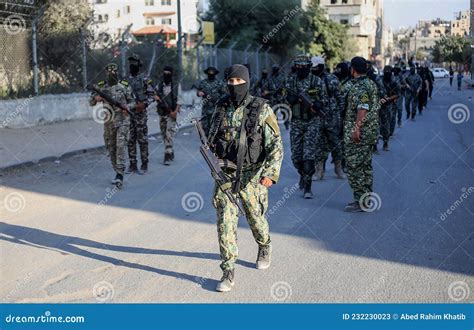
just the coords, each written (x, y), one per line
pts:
(440, 73)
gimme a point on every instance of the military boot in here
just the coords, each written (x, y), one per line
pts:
(118, 181)
(353, 207)
(227, 281)
(144, 167)
(385, 146)
(376, 150)
(167, 159)
(338, 169)
(301, 183)
(308, 194)
(264, 258)
(172, 156)
(132, 168)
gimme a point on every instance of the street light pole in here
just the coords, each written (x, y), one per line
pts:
(179, 44)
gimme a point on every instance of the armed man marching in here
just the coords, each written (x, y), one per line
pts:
(210, 90)
(305, 98)
(245, 136)
(117, 100)
(143, 93)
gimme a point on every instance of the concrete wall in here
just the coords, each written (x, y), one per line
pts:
(46, 109)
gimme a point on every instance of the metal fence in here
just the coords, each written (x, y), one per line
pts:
(32, 63)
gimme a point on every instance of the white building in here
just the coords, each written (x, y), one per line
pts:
(112, 17)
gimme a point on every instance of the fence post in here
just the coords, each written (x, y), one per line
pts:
(214, 51)
(257, 53)
(266, 56)
(35, 57)
(246, 57)
(229, 54)
(84, 59)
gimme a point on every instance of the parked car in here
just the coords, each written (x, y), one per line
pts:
(440, 72)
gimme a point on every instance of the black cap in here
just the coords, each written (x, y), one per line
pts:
(239, 71)
(359, 64)
(211, 68)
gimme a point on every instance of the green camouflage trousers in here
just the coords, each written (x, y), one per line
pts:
(329, 140)
(206, 117)
(303, 135)
(359, 168)
(116, 140)
(254, 198)
(138, 133)
(411, 104)
(168, 128)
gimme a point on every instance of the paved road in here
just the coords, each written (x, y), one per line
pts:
(66, 237)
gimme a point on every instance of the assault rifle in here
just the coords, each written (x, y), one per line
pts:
(109, 99)
(307, 103)
(216, 165)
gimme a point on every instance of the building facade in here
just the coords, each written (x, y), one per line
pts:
(461, 24)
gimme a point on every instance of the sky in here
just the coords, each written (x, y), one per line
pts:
(404, 13)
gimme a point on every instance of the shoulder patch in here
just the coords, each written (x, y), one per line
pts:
(364, 98)
(124, 82)
(101, 83)
(272, 122)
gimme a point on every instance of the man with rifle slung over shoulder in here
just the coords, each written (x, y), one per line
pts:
(117, 100)
(244, 134)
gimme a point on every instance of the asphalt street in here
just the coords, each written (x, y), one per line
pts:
(67, 236)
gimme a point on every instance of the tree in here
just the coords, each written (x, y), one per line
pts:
(452, 49)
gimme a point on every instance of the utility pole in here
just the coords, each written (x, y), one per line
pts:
(179, 43)
(35, 56)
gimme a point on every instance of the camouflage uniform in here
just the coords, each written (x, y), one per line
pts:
(413, 84)
(363, 95)
(276, 86)
(329, 139)
(116, 130)
(399, 103)
(142, 88)
(168, 125)
(393, 89)
(384, 112)
(213, 90)
(305, 127)
(253, 195)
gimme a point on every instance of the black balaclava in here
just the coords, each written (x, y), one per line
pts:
(238, 93)
(112, 78)
(387, 73)
(342, 71)
(211, 75)
(167, 77)
(318, 70)
(412, 70)
(264, 74)
(396, 71)
(302, 72)
(134, 68)
(275, 71)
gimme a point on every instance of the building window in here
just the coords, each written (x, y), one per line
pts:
(333, 2)
(150, 21)
(100, 1)
(106, 17)
(127, 10)
(149, 2)
(344, 21)
(166, 2)
(344, 1)
(118, 13)
(166, 21)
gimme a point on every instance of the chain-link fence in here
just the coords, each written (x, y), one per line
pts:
(33, 63)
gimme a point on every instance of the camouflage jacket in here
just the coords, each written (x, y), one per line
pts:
(344, 88)
(272, 142)
(312, 85)
(331, 97)
(362, 96)
(142, 88)
(168, 93)
(214, 90)
(392, 87)
(414, 83)
(122, 93)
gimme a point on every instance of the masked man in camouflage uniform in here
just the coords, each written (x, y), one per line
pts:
(398, 77)
(328, 138)
(244, 131)
(168, 108)
(361, 128)
(305, 122)
(117, 120)
(142, 88)
(390, 102)
(211, 90)
(412, 86)
(276, 91)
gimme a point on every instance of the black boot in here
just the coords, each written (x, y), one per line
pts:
(144, 167)
(385, 146)
(132, 168)
(308, 170)
(167, 160)
(118, 181)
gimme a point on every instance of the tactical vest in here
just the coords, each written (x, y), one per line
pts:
(297, 110)
(228, 149)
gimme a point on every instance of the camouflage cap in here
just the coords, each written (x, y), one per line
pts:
(302, 60)
(111, 67)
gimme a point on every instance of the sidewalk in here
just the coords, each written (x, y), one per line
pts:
(61, 139)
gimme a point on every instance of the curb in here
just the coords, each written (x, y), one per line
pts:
(70, 154)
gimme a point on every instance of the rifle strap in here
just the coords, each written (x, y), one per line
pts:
(241, 151)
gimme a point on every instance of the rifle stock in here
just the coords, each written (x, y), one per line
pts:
(109, 99)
